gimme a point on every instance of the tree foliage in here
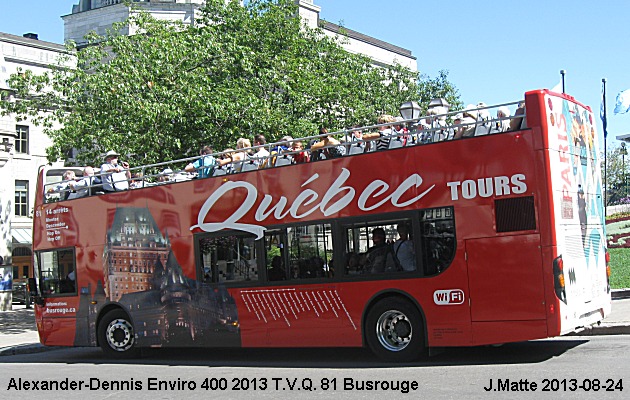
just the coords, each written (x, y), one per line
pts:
(617, 176)
(240, 70)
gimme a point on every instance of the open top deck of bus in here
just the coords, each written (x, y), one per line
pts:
(423, 130)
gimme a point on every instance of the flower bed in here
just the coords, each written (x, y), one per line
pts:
(618, 235)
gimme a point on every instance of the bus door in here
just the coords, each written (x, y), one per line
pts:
(55, 271)
(506, 278)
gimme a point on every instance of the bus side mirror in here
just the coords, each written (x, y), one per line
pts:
(33, 292)
(32, 287)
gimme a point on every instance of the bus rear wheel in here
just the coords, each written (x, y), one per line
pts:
(116, 335)
(394, 330)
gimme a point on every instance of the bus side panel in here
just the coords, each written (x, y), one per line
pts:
(512, 290)
(302, 316)
(507, 331)
(58, 331)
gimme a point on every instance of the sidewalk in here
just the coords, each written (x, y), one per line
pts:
(18, 333)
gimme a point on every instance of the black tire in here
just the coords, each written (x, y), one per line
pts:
(394, 331)
(116, 335)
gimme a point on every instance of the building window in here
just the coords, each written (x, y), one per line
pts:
(21, 198)
(21, 141)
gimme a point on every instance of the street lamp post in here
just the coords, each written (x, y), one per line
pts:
(410, 110)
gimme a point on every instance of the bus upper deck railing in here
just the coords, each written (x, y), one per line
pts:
(418, 131)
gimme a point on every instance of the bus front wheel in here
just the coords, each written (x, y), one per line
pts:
(116, 335)
(394, 330)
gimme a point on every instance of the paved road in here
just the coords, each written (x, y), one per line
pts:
(592, 362)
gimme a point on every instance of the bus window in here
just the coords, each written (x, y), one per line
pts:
(227, 258)
(275, 243)
(377, 247)
(438, 239)
(57, 268)
(310, 251)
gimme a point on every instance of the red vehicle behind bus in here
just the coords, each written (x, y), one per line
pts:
(487, 239)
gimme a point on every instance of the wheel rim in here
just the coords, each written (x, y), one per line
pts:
(393, 330)
(120, 335)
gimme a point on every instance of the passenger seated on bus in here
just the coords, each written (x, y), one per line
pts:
(66, 186)
(68, 284)
(262, 155)
(468, 122)
(483, 120)
(115, 175)
(520, 122)
(276, 272)
(503, 125)
(241, 156)
(384, 134)
(380, 257)
(84, 186)
(226, 160)
(403, 249)
(137, 180)
(205, 164)
(282, 146)
(328, 146)
(165, 176)
(355, 143)
(434, 125)
(353, 267)
(298, 154)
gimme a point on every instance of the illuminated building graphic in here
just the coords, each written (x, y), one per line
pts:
(167, 307)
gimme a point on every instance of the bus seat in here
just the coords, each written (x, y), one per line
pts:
(284, 160)
(356, 149)
(219, 171)
(482, 129)
(395, 143)
(494, 130)
(249, 166)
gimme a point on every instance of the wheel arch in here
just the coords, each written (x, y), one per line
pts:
(392, 294)
(106, 309)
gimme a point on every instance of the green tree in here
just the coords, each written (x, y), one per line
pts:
(617, 176)
(238, 71)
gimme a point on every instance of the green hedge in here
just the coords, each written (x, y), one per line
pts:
(619, 268)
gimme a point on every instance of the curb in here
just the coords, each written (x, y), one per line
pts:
(620, 294)
(602, 330)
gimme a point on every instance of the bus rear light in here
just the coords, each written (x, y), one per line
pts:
(607, 257)
(561, 280)
(552, 309)
(558, 279)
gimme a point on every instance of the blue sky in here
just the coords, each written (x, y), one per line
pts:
(494, 51)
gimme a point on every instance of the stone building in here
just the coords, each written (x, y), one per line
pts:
(22, 149)
(99, 15)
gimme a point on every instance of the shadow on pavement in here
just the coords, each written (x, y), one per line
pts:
(17, 321)
(343, 358)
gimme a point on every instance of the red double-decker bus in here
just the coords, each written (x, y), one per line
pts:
(493, 238)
